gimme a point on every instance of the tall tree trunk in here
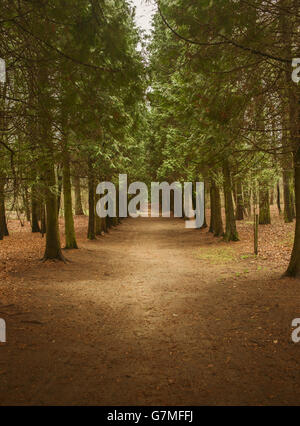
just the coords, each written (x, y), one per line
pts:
(109, 223)
(91, 184)
(278, 198)
(46, 162)
(98, 219)
(98, 224)
(212, 209)
(218, 229)
(3, 225)
(231, 233)
(204, 219)
(104, 225)
(234, 191)
(264, 204)
(247, 199)
(78, 202)
(239, 201)
(289, 208)
(53, 247)
(26, 203)
(69, 220)
(43, 219)
(293, 95)
(35, 227)
(59, 188)
(3, 126)
(294, 265)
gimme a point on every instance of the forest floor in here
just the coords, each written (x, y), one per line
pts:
(150, 314)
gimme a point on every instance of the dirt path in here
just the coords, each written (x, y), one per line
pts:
(143, 317)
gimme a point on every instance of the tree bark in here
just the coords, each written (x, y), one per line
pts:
(239, 200)
(231, 233)
(289, 209)
(98, 220)
(26, 203)
(247, 199)
(43, 219)
(3, 225)
(78, 202)
(204, 219)
(212, 210)
(278, 198)
(218, 222)
(53, 247)
(264, 204)
(294, 265)
(35, 227)
(293, 95)
(69, 220)
(91, 185)
(59, 188)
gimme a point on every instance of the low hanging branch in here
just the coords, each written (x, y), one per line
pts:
(184, 38)
(226, 41)
(65, 55)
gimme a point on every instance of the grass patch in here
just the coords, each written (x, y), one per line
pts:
(248, 256)
(217, 255)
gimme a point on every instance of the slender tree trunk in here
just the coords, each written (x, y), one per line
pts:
(234, 191)
(98, 219)
(247, 199)
(172, 201)
(35, 227)
(26, 203)
(289, 209)
(43, 219)
(204, 219)
(69, 220)
(278, 198)
(3, 225)
(104, 226)
(91, 184)
(231, 233)
(218, 222)
(212, 209)
(59, 188)
(78, 202)
(239, 201)
(109, 223)
(3, 126)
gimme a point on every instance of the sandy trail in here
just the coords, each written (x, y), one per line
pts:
(137, 318)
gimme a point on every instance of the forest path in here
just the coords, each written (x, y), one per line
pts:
(139, 317)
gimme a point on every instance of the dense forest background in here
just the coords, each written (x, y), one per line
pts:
(209, 97)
